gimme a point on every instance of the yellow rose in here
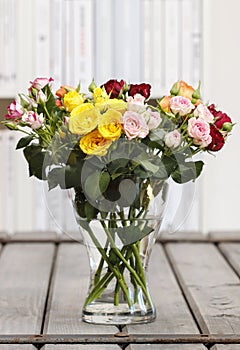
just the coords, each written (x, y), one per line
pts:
(81, 108)
(112, 103)
(72, 99)
(100, 95)
(110, 124)
(84, 122)
(118, 105)
(94, 144)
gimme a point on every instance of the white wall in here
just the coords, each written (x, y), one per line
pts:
(221, 81)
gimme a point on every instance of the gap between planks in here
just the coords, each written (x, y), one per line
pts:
(81, 347)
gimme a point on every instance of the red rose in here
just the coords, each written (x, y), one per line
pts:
(220, 117)
(217, 139)
(114, 87)
(142, 89)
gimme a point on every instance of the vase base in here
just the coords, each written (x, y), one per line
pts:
(105, 313)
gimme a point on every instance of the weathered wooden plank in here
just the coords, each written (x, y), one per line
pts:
(81, 347)
(42, 236)
(24, 277)
(37, 236)
(173, 315)
(210, 285)
(182, 236)
(224, 235)
(17, 347)
(167, 347)
(68, 292)
(226, 347)
(3, 235)
(232, 252)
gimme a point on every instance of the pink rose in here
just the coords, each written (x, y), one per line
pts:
(41, 97)
(15, 111)
(136, 103)
(134, 125)
(40, 83)
(199, 130)
(153, 119)
(181, 105)
(203, 112)
(33, 119)
(173, 139)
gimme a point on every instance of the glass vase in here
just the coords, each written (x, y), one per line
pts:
(119, 244)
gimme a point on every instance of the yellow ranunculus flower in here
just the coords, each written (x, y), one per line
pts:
(94, 144)
(72, 99)
(81, 108)
(110, 124)
(84, 122)
(100, 95)
(112, 103)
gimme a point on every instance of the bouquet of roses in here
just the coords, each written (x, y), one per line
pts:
(115, 150)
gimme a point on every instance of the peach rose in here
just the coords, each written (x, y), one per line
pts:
(165, 104)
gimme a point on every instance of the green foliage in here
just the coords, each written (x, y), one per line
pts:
(35, 158)
(24, 141)
(133, 233)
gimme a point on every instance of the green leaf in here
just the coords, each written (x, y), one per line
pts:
(90, 211)
(132, 234)
(91, 186)
(187, 171)
(150, 167)
(24, 141)
(50, 104)
(35, 157)
(157, 135)
(199, 166)
(169, 164)
(55, 177)
(104, 181)
(118, 164)
(141, 172)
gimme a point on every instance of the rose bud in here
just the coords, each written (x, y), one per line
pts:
(175, 89)
(61, 92)
(227, 126)
(196, 93)
(92, 86)
(58, 103)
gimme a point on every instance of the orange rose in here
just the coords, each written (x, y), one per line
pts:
(185, 90)
(181, 88)
(165, 103)
(63, 90)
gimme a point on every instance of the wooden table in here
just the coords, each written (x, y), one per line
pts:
(194, 282)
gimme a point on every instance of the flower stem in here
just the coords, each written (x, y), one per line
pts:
(100, 266)
(99, 288)
(130, 269)
(115, 271)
